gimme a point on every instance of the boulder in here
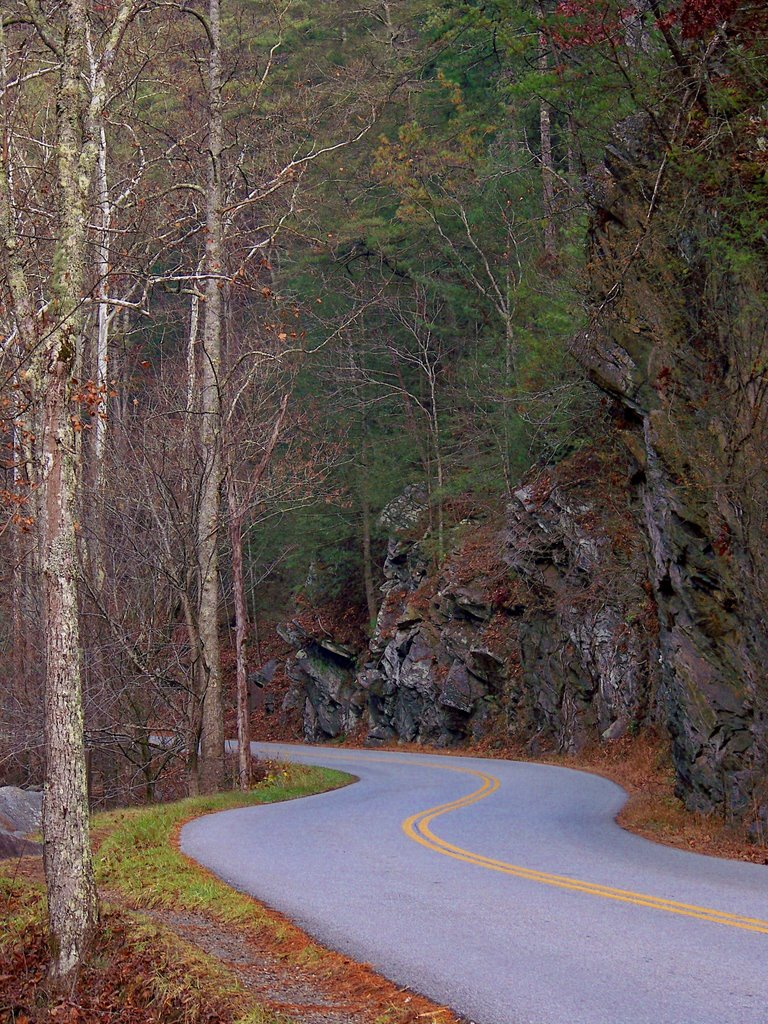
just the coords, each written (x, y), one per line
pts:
(21, 810)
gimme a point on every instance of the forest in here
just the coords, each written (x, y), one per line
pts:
(384, 371)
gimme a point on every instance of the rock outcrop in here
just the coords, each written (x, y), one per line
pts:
(626, 588)
(324, 688)
(588, 638)
(432, 676)
(540, 629)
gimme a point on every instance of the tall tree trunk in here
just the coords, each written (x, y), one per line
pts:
(101, 356)
(365, 509)
(370, 589)
(24, 565)
(72, 904)
(437, 442)
(236, 517)
(389, 27)
(212, 743)
(510, 348)
(194, 703)
(54, 356)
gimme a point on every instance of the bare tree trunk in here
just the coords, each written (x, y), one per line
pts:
(94, 447)
(388, 24)
(370, 590)
(509, 376)
(212, 743)
(72, 908)
(255, 634)
(362, 482)
(194, 711)
(96, 546)
(194, 325)
(434, 422)
(72, 904)
(365, 510)
(23, 563)
(236, 516)
(55, 355)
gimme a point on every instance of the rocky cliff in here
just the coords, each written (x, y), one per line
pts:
(539, 628)
(676, 336)
(323, 685)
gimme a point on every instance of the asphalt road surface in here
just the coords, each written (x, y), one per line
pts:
(504, 890)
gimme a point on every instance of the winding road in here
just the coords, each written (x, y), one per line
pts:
(502, 889)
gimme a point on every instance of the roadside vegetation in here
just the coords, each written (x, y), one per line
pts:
(139, 972)
(175, 944)
(266, 269)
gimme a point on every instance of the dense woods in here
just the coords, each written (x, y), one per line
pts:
(268, 267)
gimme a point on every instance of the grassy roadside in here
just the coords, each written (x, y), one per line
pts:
(138, 856)
(139, 970)
(177, 945)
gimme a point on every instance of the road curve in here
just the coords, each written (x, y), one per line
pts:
(502, 889)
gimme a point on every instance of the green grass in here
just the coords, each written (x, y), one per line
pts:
(188, 985)
(139, 857)
(22, 907)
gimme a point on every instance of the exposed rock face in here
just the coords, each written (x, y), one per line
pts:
(544, 631)
(588, 637)
(432, 677)
(677, 341)
(635, 588)
(324, 686)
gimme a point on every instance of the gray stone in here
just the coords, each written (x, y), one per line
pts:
(20, 810)
(341, 651)
(616, 730)
(405, 511)
(459, 690)
(12, 846)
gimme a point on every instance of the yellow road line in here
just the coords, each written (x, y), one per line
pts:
(417, 828)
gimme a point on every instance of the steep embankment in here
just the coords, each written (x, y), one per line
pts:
(541, 629)
(677, 338)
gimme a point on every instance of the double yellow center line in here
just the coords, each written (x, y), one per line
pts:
(418, 828)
